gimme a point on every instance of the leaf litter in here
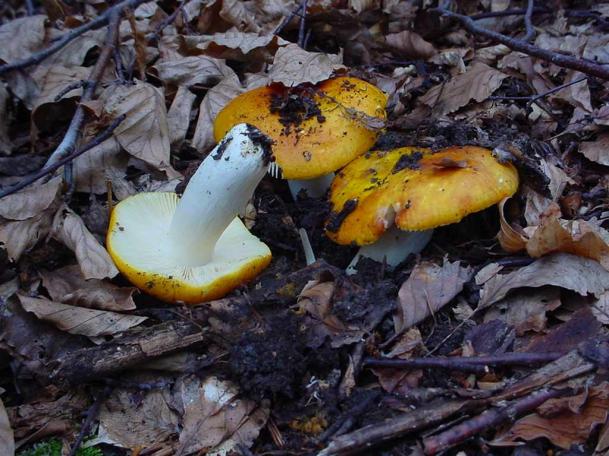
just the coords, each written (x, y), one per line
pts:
(283, 364)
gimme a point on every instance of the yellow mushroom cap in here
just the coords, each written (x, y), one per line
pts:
(138, 242)
(319, 144)
(416, 189)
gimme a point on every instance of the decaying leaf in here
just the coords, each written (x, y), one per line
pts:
(410, 44)
(477, 83)
(80, 320)
(19, 236)
(7, 440)
(427, 290)
(235, 45)
(6, 145)
(216, 418)
(103, 163)
(21, 37)
(565, 428)
(30, 201)
(597, 150)
(600, 308)
(582, 275)
(187, 71)
(293, 65)
(178, 116)
(67, 285)
(93, 259)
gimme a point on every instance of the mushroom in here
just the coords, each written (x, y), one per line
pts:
(195, 248)
(315, 129)
(415, 190)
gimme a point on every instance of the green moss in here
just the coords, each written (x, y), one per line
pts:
(53, 447)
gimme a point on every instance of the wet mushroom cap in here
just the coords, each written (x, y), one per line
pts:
(138, 243)
(316, 129)
(416, 189)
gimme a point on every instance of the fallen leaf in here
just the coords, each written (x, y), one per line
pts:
(410, 44)
(565, 429)
(6, 145)
(241, 46)
(293, 65)
(427, 290)
(597, 150)
(600, 308)
(187, 71)
(21, 37)
(54, 79)
(178, 116)
(7, 439)
(477, 83)
(92, 170)
(216, 418)
(80, 320)
(582, 275)
(19, 236)
(67, 285)
(75, 52)
(30, 201)
(93, 259)
(144, 132)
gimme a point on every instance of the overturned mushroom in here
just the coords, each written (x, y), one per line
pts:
(315, 129)
(414, 190)
(195, 248)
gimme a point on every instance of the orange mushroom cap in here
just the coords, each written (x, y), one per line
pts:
(416, 189)
(316, 129)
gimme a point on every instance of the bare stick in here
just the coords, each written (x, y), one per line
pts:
(535, 98)
(29, 4)
(561, 60)
(489, 419)
(508, 12)
(72, 136)
(528, 21)
(96, 23)
(91, 416)
(50, 169)
(287, 19)
(301, 27)
(463, 363)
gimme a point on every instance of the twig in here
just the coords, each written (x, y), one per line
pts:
(507, 12)
(69, 88)
(165, 22)
(346, 420)
(534, 98)
(466, 363)
(91, 416)
(489, 419)
(72, 136)
(29, 4)
(98, 22)
(528, 21)
(561, 60)
(286, 20)
(50, 169)
(301, 27)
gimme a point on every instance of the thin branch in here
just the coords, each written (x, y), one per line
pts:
(301, 27)
(462, 363)
(528, 21)
(90, 418)
(72, 136)
(96, 23)
(50, 169)
(535, 98)
(286, 20)
(31, 10)
(507, 12)
(561, 60)
(489, 419)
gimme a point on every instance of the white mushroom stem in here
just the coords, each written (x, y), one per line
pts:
(219, 189)
(314, 188)
(393, 247)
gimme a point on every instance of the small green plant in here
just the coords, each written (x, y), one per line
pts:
(52, 447)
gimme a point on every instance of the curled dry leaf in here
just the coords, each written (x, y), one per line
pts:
(216, 418)
(19, 236)
(187, 71)
(7, 439)
(566, 428)
(235, 45)
(410, 44)
(293, 65)
(75, 52)
(104, 162)
(600, 308)
(30, 201)
(477, 83)
(21, 37)
(582, 275)
(143, 133)
(67, 285)
(53, 79)
(427, 290)
(80, 320)
(178, 116)
(597, 150)
(93, 259)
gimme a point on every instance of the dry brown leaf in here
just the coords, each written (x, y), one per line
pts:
(19, 236)
(7, 439)
(67, 285)
(293, 65)
(235, 45)
(566, 428)
(363, 5)
(477, 83)
(410, 44)
(30, 201)
(6, 145)
(53, 79)
(144, 132)
(80, 320)
(133, 425)
(92, 170)
(597, 150)
(178, 116)
(582, 275)
(75, 52)
(21, 37)
(187, 71)
(93, 259)
(427, 290)
(215, 418)
(215, 99)
(511, 238)
(525, 310)
(600, 308)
